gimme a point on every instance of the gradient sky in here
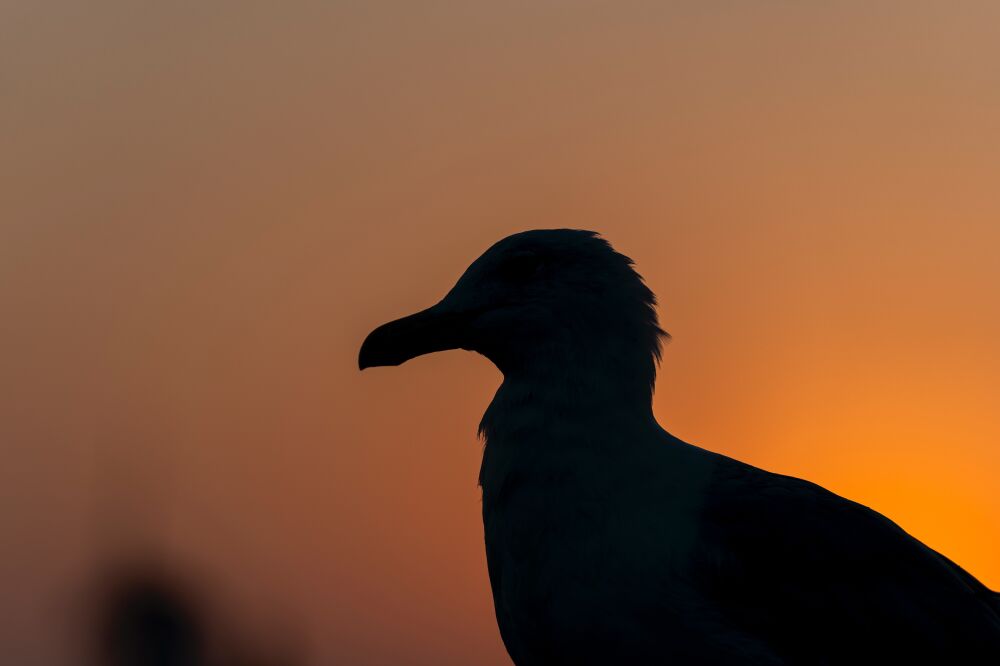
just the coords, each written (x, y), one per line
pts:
(204, 207)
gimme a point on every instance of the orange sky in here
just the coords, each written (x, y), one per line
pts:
(205, 209)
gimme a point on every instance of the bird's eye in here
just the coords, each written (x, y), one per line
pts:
(520, 267)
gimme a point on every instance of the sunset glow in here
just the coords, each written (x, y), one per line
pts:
(206, 209)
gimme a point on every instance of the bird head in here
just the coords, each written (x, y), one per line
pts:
(540, 299)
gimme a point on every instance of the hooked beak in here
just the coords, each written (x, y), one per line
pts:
(431, 330)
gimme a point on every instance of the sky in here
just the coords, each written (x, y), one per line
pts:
(205, 207)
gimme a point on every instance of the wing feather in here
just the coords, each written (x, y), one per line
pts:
(826, 580)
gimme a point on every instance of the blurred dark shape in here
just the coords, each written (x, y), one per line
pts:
(146, 615)
(150, 620)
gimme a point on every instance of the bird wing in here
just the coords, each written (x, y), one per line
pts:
(824, 580)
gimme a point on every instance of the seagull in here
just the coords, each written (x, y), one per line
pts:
(610, 541)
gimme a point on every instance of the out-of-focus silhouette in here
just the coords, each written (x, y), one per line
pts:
(610, 541)
(149, 619)
(145, 614)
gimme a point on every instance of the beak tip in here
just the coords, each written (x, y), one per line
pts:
(376, 351)
(398, 341)
(365, 359)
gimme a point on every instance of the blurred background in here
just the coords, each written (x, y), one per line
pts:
(204, 207)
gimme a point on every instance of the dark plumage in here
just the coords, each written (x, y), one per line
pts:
(609, 541)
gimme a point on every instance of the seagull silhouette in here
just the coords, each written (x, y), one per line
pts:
(610, 541)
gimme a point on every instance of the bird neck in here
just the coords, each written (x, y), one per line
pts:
(572, 397)
(551, 422)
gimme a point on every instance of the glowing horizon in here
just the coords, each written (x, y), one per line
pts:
(209, 208)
